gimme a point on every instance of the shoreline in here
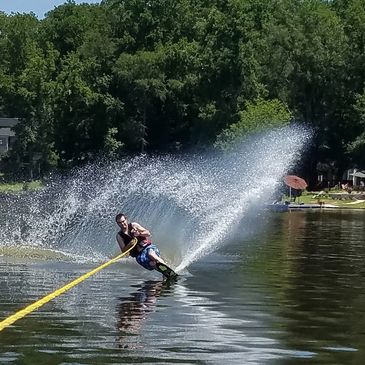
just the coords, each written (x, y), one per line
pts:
(283, 207)
(309, 200)
(336, 199)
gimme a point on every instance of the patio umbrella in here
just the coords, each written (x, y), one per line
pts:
(295, 182)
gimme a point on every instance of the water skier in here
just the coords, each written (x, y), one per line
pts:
(145, 253)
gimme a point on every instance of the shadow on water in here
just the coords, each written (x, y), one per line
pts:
(133, 311)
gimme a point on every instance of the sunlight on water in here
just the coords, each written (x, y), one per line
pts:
(190, 203)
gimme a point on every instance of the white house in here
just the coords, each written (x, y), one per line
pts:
(354, 176)
(7, 135)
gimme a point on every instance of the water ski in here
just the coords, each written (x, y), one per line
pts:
(166, 271)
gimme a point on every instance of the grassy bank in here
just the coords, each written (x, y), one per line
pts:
(20, 186)
(316, 198)
(306, 198)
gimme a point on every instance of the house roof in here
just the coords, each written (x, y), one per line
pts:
(358, 174)
(8, 122)
(6, 132)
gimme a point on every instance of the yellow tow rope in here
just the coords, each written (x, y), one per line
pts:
(32, 307)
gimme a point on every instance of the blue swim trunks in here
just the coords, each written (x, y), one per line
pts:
(143, 259)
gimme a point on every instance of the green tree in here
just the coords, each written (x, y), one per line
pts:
(83, 109)
(352, 128)
(68, 26)
(258, 116)
(142, 83)
(126, 75)
(35, 133)
(305, 66)
(356, 148)
(17, 42)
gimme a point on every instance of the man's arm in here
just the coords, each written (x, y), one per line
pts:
(139, 231)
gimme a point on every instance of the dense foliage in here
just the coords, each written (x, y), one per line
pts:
(134, 75)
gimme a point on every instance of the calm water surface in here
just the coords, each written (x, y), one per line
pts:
(294, 294)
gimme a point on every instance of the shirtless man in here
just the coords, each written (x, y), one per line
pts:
(145, 253)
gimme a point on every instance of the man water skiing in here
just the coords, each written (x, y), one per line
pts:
(145, 253)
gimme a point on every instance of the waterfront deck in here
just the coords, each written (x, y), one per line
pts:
(282, 207)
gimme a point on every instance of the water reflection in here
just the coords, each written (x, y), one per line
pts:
(132, 311)
(294, 296)
(320, 284)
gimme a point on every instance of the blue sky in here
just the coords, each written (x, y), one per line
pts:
(38, 7)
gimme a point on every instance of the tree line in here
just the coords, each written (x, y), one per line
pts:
(125, 76)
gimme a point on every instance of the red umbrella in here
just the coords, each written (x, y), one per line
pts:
(295, 182)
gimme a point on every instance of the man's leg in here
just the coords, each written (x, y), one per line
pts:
(154, 257)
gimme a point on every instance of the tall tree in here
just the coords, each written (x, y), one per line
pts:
(257, 117)
(305, 67)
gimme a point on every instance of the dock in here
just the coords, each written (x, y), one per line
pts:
(283, 207)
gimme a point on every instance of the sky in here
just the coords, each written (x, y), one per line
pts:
(38, 7)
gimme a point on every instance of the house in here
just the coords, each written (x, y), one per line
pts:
(354, 177)
(7, 135)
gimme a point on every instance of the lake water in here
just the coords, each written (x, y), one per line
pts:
(292, 294)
